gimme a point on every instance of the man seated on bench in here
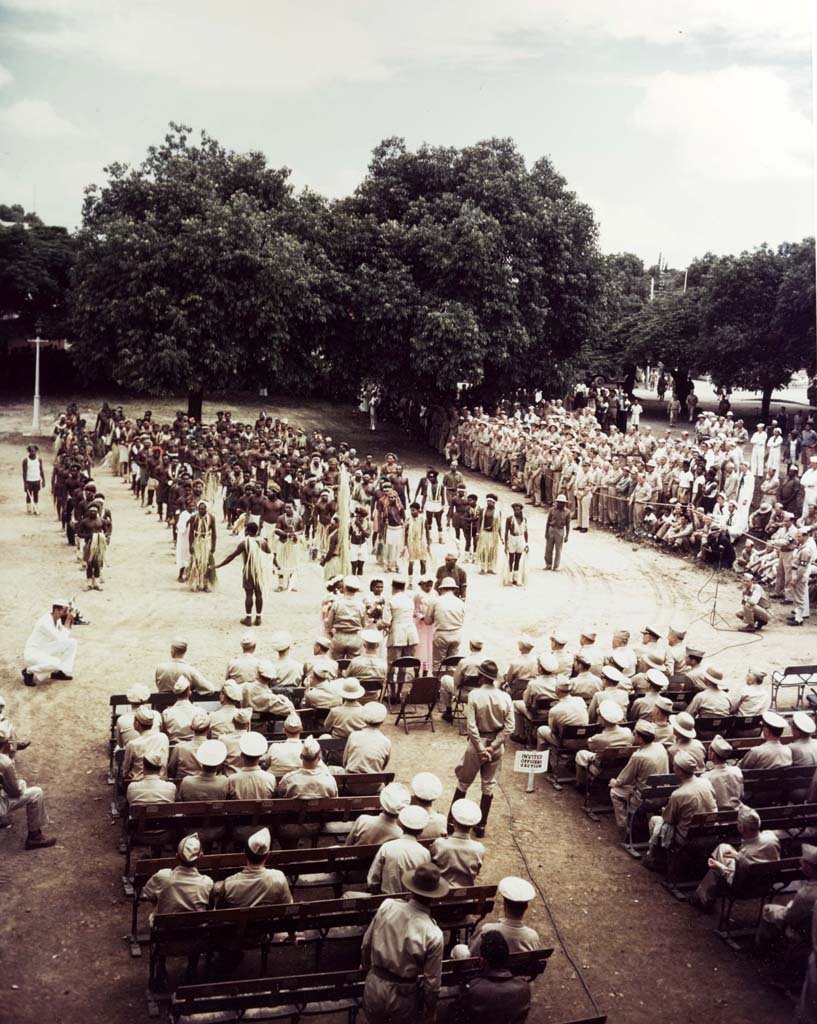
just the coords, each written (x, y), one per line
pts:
(613, 734)
(753, 697)
(209, 782)
(125, 731)
(650, 758)
(371, 829)
(714, 699)
(251, 781)
(398, 856)
(177, 717)
(459, 856)
(348, 716)
(685, 740)
(756, 847)
(495, 994)
(725, 779)
(182, 888)
(260, 695)
(803, 746)
(151, 788)
(796, 913)
(312, 780)
(403, 952)
(693, 796)
(568, 710)
(147, 738)
(369, 664)
(183, 761)
(368, 750)
(516, 894)
(255, 885)
(167, 672)
(544, 686)
(426, 787)
(771, 753)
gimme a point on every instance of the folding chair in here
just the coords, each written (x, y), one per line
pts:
(793, 677)
(423, 691)
(373, 688)
(396, 676)
(343, 664)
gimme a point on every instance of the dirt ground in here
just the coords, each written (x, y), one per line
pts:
(62, 954)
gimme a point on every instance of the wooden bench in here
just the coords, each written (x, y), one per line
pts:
(752, 882)
(768, 786)
(607, 765)
(210, 932)
(562, 760)
(168, 823)
(320, 867)
(796, 677)
(335, 992)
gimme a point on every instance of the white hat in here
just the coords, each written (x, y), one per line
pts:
(253, 744)
(611, 711)
(448, 583)
(466, 812)
(60, 602)
(189, 848)
(517, 890)
(155, 758)
(657, 678)
(721, 747)
(324, 642)
(560, 636)
(394, 797)
(293, 721)
(774, 720)
(561, 497)
(351, 582)
(137, 694)
(182, 685)
(267, 669)
(371, 636)
(242, 717)
(748, 817)
(248, 640)
(200, 721)
(804, 722)
(612, 673)
(232, 691)
(374, 712)
(562, 684)
(685, 761)
(526, 641)
(715, 677)
(678, 630)
(588, 633)
(144, 715)
(684, 724)
(809, 853)
(426, 786)
(348, 688)
(310, 748)
(281, 641)
(548, 663)
(663, 704)
(261, 841)
(653, 631)
(399, 578)
(413, 817)
(211, 754)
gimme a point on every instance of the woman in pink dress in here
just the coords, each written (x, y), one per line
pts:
(423, 600)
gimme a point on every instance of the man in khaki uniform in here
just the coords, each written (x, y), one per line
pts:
(284, 756)
(447, 615)
(368, 749)
(521, 670)
(614, 689)
(222, 720)
(289, 671)
(151, 788)
(368, 664)
(559, 641)
(489, 720)
(209, 782)
(348, 716)
(695, 671)
(568, 710)
(397, 856)
(621, 654)
(426, 787)
(642, 707)
(586, 684)
(255, 885)
(649, 759)
(557, 532)
(693, 796)
(613, 734)
(346, 620)
(125, 731)
(182, 888)
(169, 671)
(756, 847)
(661, 712)
(403, 951)
(15, 793)
(675, 661)
(251, 781)
(312, 780)
(147, 739)
(182, 760)
(319, 658)
(753, 697)
(458, 856)
(176, 719)
(369, 829)
(398, 618)
(685, 739)
(651, 642)
(244, 667)
(714, 700)
(517, 894)
(260, 696)
(771, 753)
(725, 779)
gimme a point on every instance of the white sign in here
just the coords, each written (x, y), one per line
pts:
(532, 762)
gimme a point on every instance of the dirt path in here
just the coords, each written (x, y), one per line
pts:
(62, 955)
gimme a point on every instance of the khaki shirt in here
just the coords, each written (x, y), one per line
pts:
(176, 720)
(322, 696)
(610, 736)
(367, 750)
(393, 860)
(771, 754)
(523, 668)
(222, 722)
(308, 783)
(726, 781)
(345, 719)
(586, 685)
(242, 669)
(371, 829)
(608, 693)
(459, 858)
(203, 786)
(398, 615)
(567, 711)
(709, 702)
(695, 796)
(152, 789)
(251, 784)
(404, 941)
(254, 886)
(447, 615)
(346, 615)
(259, 697)
(675, 661)
(126, 730)
(693, 747)
(290, 671)
(520, 938)
(175, 890)
(318, 661)
(183, 760)
(169, 671)
(489, 718)
(751, 699)
(644, 762)
(804, 752)
(133, 762)
(284, 756)
(367, 666)
(437, 826)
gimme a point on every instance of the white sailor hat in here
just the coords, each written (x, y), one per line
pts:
(261, 841)
(248, 640)
(426, 786)
(466, 812)
(351, 582)
(371, 637)
(560, 637)
(374, 712)
(413, 817)
(310, 748)
(653, 631)
(517, 890)
(136, 694)
(526, 641)
(60, 602)
(394, 797)
(189, 848)
(211, 754)
(771, 718)
(804, 722)
(253, 744)
(182, 685)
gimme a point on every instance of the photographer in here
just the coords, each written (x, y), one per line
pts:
(50, 649)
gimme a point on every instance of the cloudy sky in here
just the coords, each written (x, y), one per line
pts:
(687, 127)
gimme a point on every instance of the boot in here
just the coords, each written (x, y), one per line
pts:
(257, 620)
(458, 795)
(246, 621)
(485, 807)
(37, 841)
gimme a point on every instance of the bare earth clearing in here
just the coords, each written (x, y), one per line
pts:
(62, 958)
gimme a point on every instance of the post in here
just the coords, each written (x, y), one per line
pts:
(686, 274)
(35, 420)
(652, 288)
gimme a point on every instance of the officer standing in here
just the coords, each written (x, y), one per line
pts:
(557, 531)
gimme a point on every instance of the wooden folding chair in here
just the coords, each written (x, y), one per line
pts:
(422, 692)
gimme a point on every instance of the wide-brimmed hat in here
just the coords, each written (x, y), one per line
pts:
(684, 724)
(348, 689)
(448, 583)
(426, 881)
(488, 669)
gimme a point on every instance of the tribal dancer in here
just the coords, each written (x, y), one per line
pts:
(290, 550)
(201, 574)
(256, 575)
(490, 530)
(516, 547)
(94, 530)
(418, 541)
(33, 479)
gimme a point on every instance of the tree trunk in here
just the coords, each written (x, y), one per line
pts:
(682, 384)
(767, 402)
(195, 400)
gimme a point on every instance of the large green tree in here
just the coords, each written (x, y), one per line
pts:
(464, 266)
(35, 265)
(187, 276)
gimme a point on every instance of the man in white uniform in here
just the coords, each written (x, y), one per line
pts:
(50, 649)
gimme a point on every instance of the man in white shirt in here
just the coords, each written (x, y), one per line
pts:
(50, 649)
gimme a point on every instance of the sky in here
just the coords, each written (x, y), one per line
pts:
(687, 127)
